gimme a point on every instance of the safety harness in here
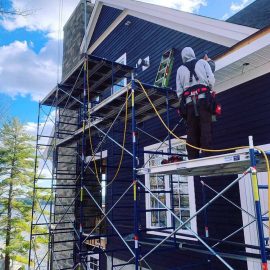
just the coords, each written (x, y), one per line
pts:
(193, 93)
(198, 91)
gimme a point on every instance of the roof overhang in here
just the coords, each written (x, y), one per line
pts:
(220, 32)
(247, 60)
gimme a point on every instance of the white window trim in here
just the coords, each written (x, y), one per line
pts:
(192, 200)
(94, 256)
(122, 60)
(247, 203)
(98, 155)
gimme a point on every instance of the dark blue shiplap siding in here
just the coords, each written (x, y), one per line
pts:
(245, 112)
(141, 39)
(256, 15)
(107, 15)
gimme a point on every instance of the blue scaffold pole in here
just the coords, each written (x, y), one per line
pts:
(134, 173)
(256, 197)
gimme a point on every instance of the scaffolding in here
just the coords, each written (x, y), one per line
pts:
(86, 115)
(89, 128)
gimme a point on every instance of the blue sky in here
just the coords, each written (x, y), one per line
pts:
(30, 45)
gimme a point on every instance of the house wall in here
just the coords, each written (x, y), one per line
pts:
(245, 112)
(107, 15)
(240, 121)
(141, 39)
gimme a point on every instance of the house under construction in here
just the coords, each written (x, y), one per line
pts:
(113, 202)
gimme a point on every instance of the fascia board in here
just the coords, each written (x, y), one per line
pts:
(242, 52)
(187, 22)
(205, 35)
(245, 77)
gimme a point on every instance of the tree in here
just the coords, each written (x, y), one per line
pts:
(17, 154)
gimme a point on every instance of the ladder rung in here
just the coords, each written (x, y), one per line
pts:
(165, 60)
(263, 186)
(160, 80)
(162, 71)
(265, 218)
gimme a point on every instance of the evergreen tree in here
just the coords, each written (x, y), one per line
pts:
(16, 181)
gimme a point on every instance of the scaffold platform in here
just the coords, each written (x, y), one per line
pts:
(233, 163)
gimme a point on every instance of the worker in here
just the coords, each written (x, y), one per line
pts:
(194, 81)
(210, 61)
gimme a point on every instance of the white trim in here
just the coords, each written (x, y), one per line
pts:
(91, 26)
(121, 60)
(230, 71)
(235, 55)
(108, 31)
(220, 32)
(90, 264)
(191, 191)
(98, 155)
(242, 78)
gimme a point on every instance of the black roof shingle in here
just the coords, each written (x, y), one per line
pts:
(256, 15)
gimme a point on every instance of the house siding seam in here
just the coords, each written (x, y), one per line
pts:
(141, 39)
(108, 15)
(253, 118)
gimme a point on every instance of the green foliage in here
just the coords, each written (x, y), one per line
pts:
(17, 154)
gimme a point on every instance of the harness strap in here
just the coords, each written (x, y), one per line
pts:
(191, 67)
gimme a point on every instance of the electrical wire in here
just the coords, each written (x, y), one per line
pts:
(90, 136)
(210, 150)
(123, 145)
(89, 129)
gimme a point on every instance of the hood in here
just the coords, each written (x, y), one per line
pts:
(187, 54)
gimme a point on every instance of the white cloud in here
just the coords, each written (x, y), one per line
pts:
(44, 15)
(184, 5)
(24, 71)
(235, 7)
(225, 16)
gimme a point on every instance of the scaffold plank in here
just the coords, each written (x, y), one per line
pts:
(233, 163)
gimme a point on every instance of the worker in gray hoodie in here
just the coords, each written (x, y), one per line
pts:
(194, 82)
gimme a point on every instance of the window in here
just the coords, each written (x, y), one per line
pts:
(176, 192)
(101, 162)
(122, 60)
(93, 262)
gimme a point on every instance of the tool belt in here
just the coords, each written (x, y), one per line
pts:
(196, 93)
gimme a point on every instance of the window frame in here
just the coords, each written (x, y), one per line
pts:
(191, 192)
(121, 60)
(90, 265)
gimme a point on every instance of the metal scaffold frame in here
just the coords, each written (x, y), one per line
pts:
(76, 120)
(72, 119)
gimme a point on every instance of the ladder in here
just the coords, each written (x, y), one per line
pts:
(165, 69)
